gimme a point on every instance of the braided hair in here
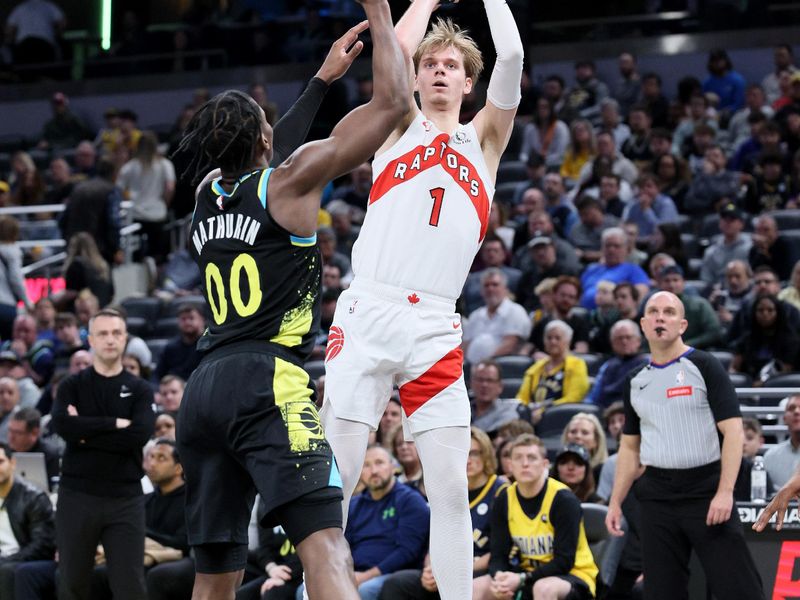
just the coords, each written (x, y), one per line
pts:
(223, 133)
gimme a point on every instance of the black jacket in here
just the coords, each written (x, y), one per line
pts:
(31, 516)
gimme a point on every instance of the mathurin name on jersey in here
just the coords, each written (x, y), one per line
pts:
(232, 225)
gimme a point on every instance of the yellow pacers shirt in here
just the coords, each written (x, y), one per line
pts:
(534, 536)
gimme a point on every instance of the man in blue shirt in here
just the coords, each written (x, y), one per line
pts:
(651, 207)
(387, 525)
(611, 268)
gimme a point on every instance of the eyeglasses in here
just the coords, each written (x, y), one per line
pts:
(765, 281)
(484, 380)
(475, 454)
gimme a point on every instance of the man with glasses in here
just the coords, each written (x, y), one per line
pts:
(732, 245)
(489, 411)
(626, 342)
(765, 283)
(612, 268)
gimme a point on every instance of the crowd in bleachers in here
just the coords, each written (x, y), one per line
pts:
(608, 191)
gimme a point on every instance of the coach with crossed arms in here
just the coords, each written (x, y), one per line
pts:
(683, 425)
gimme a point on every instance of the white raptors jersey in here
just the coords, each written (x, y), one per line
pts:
(428, 211)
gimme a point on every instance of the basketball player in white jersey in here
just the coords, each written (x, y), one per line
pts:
(433, 182)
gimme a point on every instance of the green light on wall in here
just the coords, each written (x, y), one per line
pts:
(105, 24)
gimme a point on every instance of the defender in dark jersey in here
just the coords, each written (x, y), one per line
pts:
(683, 424)
(248, 421)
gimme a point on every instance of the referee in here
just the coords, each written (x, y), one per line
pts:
(684, 426)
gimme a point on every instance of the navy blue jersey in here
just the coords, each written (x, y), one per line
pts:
(480, 509)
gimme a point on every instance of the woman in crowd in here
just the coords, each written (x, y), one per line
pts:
(12, 281)
(559, 378)
(586, 430)
(770, 345)
(673, 177)
(666, 239)
(572, 468)
(582, 149)
(546, 134)
(791, 293)
(85, 268)
(148, 180)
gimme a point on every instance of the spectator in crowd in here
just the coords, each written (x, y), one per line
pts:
(387, 525)
(739, 127)
(558, 205)
(258, 92)
(12, 281)
(723, 81)
(655, 101)
(33, 29)
(769, 142)
(180, 356)
(540, 224)
(585, 429)
(581, 149)
(36, 356)
(637, 147)
(751, 146)
(753, 437)
(734, 293)
(610, 194)
(585, 235)
(611, 122)
(29, 529)
(667, 239)
(500, 225)
(69, 338)
(166, 423)
(148, 181)
(326, 239)
(105, 415)
(607, 148)
(614, 247)
(673, 178)
(781, 460)
(703, 330)
(566, 292)
(732, 245)
(628, 87)
(553, 89)
(86, 306)
(64, 129)
(770, 346)
(406, 455)
(651, 208)
(783, 59)
(614, 418)
(584, 98)
(535, 169)
(342, 223)
(44, 312)
(765, 283)
(771, 248)
(499, 327)
(59, 182)
(559, 378)
(546, 135)
(791, 293)
(492, 255)
(771, 188)
(24, 435)
(85, 268)
(545, 264)
(127, 141)
(170, 393)
(356, 192)
(391, 418)
(93, 207)
(609, 383)
(555, 560)
(489, 411)
(9, 403)
(572, 468)
(484, 486)
(331, 278)
(683, 142)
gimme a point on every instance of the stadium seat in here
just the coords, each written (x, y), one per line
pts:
(512, 170)
(740, 380)
(513, 365)
(600, 541)
(593, 361)
(511, 386)
(145, 307)
(724, 357)
(556, 418)
(691, 245)
(784, 380)
(137, 326)
(700, 286)
(315, 368)
(504, 192)
(165, 328)
(156, 346)
(786, 218)
(171, 308)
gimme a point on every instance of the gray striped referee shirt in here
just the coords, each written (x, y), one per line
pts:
(675, 407)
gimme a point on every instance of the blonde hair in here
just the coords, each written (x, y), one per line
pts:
(600, 454)
(487, 451)
(446, 34)
(83, 245)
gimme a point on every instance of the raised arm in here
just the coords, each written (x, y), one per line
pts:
(295, 187)
(495, 121)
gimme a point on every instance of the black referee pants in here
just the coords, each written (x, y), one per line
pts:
(82, 522)
(673, 522)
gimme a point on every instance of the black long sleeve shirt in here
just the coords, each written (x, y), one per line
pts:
(165, 519)
(100, 459)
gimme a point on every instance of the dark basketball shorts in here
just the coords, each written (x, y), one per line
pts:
(579, 591)
(248, 424)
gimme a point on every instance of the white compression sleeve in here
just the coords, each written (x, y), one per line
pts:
(443, 453)
(504, 85)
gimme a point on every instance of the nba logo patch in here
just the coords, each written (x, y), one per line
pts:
(335, 343)
(680, 377)
(427, 125)
(219, 203)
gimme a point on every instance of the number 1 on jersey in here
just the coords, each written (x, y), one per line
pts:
(437, 194)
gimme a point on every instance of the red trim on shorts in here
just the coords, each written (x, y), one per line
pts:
(441, 375)
(436, 153)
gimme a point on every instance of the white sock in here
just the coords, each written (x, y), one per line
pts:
(443, 453)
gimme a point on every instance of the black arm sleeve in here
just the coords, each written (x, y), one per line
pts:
(632, 423)
(721, 394)
(500, 539)
(566, 516)
(291, 130)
